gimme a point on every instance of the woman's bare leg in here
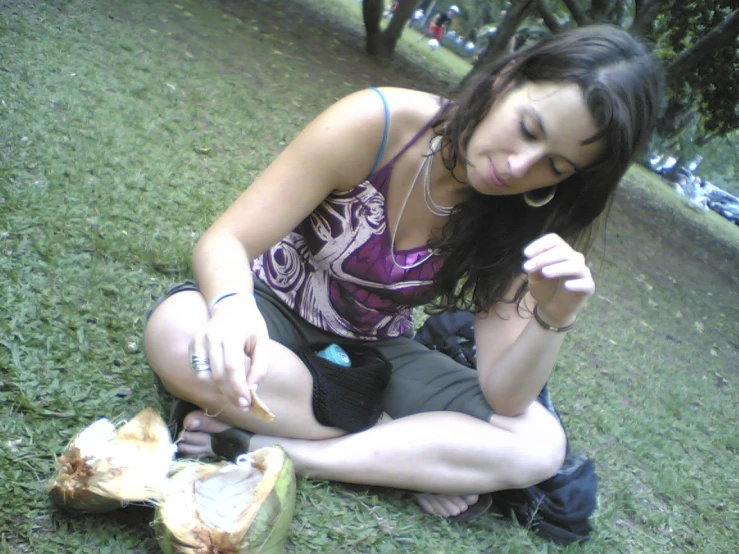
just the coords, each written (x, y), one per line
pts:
(438, 452)
(287, 389)
(448, 454)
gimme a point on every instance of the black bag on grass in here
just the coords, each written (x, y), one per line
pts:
(558, 509)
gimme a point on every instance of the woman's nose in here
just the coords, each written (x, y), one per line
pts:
(521, 162)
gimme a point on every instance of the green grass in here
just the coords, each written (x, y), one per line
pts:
(659, 193)
(126, 127)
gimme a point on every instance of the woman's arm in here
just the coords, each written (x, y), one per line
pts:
(334, 152)
(515, 353)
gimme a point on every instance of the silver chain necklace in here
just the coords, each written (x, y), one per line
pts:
(433, 207)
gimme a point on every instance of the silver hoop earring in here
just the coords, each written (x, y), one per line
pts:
(535, 202)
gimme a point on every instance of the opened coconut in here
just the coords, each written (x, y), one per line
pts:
(105, 467)
(225, 508)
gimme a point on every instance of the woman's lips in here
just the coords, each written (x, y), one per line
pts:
(493, 178)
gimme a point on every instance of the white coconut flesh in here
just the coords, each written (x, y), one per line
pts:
(223, 498)
(219, 499)
(127, 464)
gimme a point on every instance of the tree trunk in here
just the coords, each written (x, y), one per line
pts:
(723, 34)
(381, 44)
(578, 14)
(395, 28)
(427, 15)
(599, 10)
(499, 42)
(547, 16)
(678, 114)
(646, 13)
(703, 140)
(372, 14)
(486, 16)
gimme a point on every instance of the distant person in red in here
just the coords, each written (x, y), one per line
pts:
(439, 23)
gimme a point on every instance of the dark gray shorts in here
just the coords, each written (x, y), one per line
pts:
(423, 380)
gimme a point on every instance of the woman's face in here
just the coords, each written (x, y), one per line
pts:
(532, 138)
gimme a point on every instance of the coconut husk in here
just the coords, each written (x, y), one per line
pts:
(226, 508)
(104, 467)
(201, 508)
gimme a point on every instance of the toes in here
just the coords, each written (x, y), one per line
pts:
(436, 504)
(193, 419)
(194, 439)
(430, 504)
(470, 499)
(191, 424)
(191, 444)
(199, 420)
(453, 505)
(445, 505)
(185, 450)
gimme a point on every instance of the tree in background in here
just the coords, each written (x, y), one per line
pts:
(697, 41)
(720, 163)
(480, 15)
(382, 42)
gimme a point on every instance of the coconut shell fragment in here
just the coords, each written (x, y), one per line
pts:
(105, 467)
(226, 508)
(201, 508)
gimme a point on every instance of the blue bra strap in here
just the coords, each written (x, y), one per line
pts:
(385, 133)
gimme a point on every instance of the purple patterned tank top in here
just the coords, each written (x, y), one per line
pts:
(335, 269)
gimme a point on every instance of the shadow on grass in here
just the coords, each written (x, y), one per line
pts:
(128, 126)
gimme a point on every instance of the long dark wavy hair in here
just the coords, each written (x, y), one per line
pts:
(484, 239)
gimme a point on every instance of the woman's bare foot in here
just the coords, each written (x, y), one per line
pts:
(195, 440)
(445, 505)
(440, 504)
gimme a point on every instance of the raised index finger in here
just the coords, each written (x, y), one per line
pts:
(542, 244)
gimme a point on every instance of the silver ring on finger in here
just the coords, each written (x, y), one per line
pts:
(199, 363)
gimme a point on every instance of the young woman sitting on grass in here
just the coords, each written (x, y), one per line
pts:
(397, 198)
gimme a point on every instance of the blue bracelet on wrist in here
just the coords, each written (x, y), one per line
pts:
(217, 299)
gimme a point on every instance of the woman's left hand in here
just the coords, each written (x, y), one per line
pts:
(559, 280)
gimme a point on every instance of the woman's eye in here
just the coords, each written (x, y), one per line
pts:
(524, 130)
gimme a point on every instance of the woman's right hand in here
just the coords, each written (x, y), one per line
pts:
(235, 343)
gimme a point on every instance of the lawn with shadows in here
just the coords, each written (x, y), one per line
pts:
(127, 127)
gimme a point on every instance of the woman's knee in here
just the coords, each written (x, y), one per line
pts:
(548, 459)
(541, 447)
(170, 329)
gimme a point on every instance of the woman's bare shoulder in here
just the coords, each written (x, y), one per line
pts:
(351, 130)
(408, 110)
(411, 106)
(404, 106)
